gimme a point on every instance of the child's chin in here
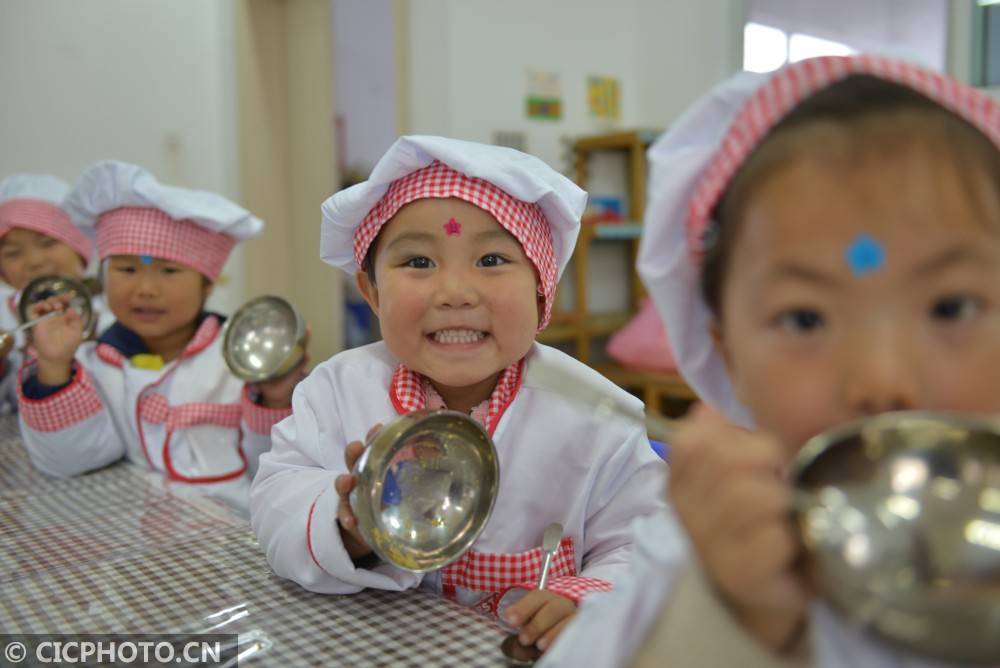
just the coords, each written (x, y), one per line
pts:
(466, 379)
(144, 327)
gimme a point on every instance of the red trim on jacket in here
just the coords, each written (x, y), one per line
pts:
(208, 330)
(309, 543)
(108, 354)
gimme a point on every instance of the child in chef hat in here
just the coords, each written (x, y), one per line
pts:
(37, 238)
(457, 247)
(823, 244)
(154, 386)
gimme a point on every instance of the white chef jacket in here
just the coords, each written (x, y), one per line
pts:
(192, 420)
(559, 462)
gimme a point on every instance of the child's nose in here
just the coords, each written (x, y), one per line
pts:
(456, 290)
(147, 284)
(36, 258)
(882, 373)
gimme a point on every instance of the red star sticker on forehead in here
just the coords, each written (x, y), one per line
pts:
(452, 227)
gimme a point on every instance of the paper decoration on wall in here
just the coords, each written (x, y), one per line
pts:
(544, 96)
(604, 98)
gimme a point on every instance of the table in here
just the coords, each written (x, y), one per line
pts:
(117, 551)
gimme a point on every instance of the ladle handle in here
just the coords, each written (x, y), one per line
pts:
(31, 323)
(557, 379)
(544, 577)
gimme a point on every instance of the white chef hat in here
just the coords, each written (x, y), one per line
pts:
(34, 202)
(694, 162)
(540, 207)
(134, 214)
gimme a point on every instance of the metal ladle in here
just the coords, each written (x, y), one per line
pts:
(7, 338)
(526, 655)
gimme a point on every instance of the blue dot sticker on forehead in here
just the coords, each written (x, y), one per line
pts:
(146, 259)
(864, 255)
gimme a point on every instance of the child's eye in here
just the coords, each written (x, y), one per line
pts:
(802, 320)
(125, 269)
(491, 260)
(47, 242)
(170, 270)
(10, 253)
(958, 307)
(419, 262)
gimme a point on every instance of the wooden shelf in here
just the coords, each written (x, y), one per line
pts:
(580, 328)
(616, 140)
(664, 393)
(663, 383)
(567, 328)
(616, 231)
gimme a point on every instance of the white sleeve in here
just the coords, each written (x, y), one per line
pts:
(293, 504)
(610, 626)
(69, 432)
(631, 484)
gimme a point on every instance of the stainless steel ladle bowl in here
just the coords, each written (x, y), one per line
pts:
(264, 339)
(900, 515)
(425, 488)
(50, 285)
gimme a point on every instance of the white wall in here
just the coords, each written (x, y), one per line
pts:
(145, 81)
(683, 50)
(468, 58)
(364, 70)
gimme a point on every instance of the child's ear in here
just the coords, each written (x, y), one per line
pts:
(368, 290)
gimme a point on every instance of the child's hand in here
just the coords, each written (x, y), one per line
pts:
(727, 488)
(55, 340)
(277, 392)
(540, 616)
(354, 542)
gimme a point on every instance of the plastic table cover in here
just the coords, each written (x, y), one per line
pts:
(119, 551)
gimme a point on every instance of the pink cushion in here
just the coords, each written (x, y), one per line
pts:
(642, 342)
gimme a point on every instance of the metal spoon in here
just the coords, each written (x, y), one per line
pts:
(557, 379)
(526, 655)
(7, 338)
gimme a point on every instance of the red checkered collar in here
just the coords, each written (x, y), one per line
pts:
(204, 335)
(411, 391)
(119, 343)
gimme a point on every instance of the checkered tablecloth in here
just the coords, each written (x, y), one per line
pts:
(111, 552)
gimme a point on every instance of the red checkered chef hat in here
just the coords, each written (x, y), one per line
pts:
(692, 165)
(538, 206)
(34, 202)
(132, 213)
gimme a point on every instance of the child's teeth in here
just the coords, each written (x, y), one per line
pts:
(458, 336)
